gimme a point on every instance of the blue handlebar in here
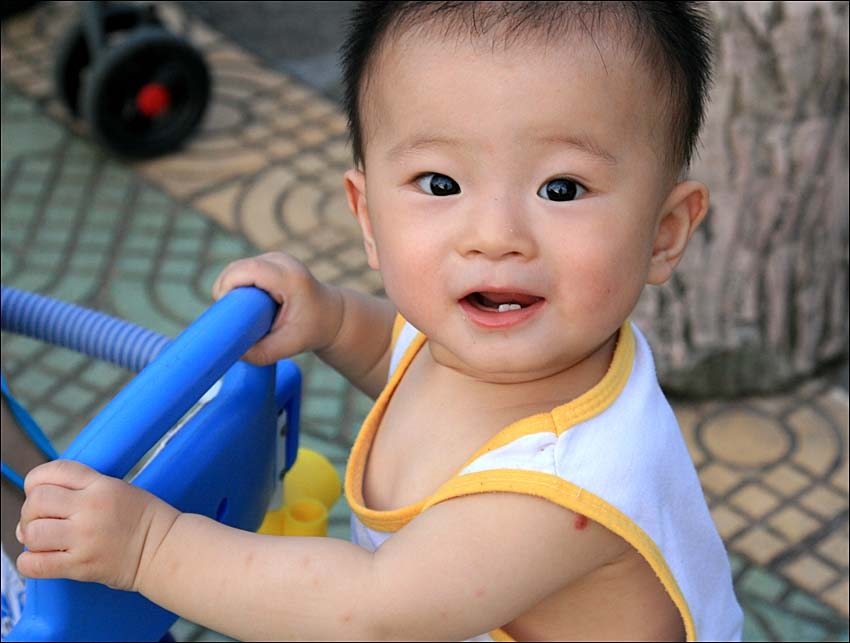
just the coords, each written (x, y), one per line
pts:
(131, 423)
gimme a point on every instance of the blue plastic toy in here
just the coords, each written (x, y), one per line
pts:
(223, 461)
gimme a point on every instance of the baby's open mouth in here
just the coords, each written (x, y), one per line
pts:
(501, 301)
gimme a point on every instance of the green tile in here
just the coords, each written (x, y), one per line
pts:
(65, 360)
(803, 603)
(154, 198)
(8, 264)
(13, 235)
(53, 234)
(113, 195)
(68, 192)
(190, 223)
(322, 407)
(148, 221)
(115, 173)
(134, 265)
(5, 166)
(77, 173)
(182, 298)
(791, 627)
(74, 288)
(35, 383)
(40, 165)
(362, 404)
(95, 236)
(184, 630)
(132, 302)
(208, 276)
(23, 348)
(81, 154)
(762, 583)
(45, 258)
(324, 378)
(30, 135)
(185, 245)
(61, 214)
(104, 214)
(180, 268)
(338, 454)
(31, 281)
(209, 636)
(56, 426)
(17, 211)
(140, 244)
(86, 261)
(30, 181)
(753, 630)
(736, 563)
(327, 430)
(75, 399)
(227, 248)
(104, 375)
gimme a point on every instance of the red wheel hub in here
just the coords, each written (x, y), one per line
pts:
(153, 100)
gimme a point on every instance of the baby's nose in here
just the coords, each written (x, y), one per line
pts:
(497, 230)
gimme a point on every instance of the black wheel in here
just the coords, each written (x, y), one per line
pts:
(73, 55)
(147, 94)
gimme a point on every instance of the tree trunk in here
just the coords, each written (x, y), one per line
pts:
(761, 298)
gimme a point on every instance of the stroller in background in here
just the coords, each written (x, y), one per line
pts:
(141, 90)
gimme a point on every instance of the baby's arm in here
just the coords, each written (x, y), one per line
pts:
(348, 330)
(461, 568)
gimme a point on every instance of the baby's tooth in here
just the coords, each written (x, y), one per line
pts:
(506, 307)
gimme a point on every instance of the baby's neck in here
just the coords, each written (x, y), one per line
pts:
(534, 392)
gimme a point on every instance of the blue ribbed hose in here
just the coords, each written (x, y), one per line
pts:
(86, 331)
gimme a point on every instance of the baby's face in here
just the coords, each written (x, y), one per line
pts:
(512, 197)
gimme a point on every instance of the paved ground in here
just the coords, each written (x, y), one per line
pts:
(143, 241)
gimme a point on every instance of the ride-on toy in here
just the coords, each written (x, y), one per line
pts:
(142, 90)
(236, 434)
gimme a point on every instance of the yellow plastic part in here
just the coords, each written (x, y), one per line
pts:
(310, 488)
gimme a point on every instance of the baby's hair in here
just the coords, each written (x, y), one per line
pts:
(672, 38)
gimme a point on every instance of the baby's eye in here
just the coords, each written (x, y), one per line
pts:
(561, 190)
(437, 184)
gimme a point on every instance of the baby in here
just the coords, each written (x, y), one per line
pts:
(518, 180)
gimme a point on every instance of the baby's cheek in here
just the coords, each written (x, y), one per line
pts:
(610, 290)
(599, 285)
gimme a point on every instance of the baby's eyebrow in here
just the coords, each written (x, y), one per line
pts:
(582, 144)
(419, 142)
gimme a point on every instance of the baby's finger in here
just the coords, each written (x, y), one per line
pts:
(227, 280)
(47, 501)
(49, 564)
(235, 274)
(63, 473)
(256, 271)
(266, 351)
(45, 534)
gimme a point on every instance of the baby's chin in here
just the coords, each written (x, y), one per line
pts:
(486, 366)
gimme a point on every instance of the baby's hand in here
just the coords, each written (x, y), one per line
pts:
(310, 312)
(79, 524)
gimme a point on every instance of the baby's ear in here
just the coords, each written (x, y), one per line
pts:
(683, 210)
(355, 192)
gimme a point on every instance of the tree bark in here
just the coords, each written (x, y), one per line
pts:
(761, 297)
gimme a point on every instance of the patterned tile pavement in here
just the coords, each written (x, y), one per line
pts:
(143, 241)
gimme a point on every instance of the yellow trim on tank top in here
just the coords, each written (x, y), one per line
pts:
(590, 403)
(570, 496)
